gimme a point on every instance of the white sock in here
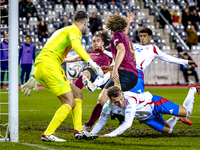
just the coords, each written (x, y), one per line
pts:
(101, 81)
(189, 101)
(172, 122)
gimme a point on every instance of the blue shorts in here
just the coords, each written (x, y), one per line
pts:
(161, 106)
(139, 88)
(127, 80)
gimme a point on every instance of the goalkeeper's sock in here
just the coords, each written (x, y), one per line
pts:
(101, 81)
(95, 115)
(79, 83)
(77, 115)
(58, 118)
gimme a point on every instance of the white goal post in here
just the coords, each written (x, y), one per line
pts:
(13, 123)
(12, 132)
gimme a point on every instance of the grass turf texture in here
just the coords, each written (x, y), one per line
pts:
(35, 113)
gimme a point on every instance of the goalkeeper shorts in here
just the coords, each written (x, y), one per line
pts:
(52, 77)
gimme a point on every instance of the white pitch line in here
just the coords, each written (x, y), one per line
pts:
(39, 146)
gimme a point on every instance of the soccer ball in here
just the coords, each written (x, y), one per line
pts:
(75, 70)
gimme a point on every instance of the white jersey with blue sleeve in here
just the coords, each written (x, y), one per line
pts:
(145, 54)
(137, 106)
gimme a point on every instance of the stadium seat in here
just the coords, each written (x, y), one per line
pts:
(21, 35)
(58, 8)
(182, 5)
(62, 15)
(195, 48)
(167, 30)
(184, 36)
(145, 22)
(56, 23)
(147, 4)
(166, 48)
(179, 29)
(50, 29)
(174, 36)
(152, 27)
(170, 3)
(160, 43)
(35, 2)
(51, 15)
(22, 21)
(124, 8)
(41, 15)
(4, 29)
(47, 8)
(26, 29)
(91, 8)
(113, 9)
(43, 3)
(35, 29)
(156, 36)
(151, 41)
(69, 8)
(140, 15)
(80, 7)
(103, 8)
(151, 10)
(35, 41)
(33, 21)
(135, 9)
(38, 8)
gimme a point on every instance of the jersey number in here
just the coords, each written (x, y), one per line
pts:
(132, 50)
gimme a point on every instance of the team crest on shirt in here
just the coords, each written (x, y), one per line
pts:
(103, 114)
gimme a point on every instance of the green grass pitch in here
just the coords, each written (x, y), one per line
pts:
(35, 113)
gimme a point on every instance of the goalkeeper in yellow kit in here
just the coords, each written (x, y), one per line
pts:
(49, 73)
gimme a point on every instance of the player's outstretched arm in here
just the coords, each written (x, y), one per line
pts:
(73, 59)
(130, 18)
(29, 86)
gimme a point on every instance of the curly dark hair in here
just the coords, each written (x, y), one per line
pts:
(104, 36)
(115, 23)
(113, 91)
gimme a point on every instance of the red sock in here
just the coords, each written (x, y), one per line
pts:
(95, 115)
(79, 82)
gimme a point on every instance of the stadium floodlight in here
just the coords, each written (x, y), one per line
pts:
(12, 132)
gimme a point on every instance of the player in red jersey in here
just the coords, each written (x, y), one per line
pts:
(124, 69)
(99, 55)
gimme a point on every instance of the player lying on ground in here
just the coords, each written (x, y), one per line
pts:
(99, 55)
(49, 73)
(145, 53)
(146, 108)
(124, 69)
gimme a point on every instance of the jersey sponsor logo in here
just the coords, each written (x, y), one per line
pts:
(107, 107)
(119, 111)
(116, 41)
(97, 53)
(171, 111)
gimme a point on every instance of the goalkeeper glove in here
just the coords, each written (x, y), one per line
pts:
(29, 85)
(96, 67)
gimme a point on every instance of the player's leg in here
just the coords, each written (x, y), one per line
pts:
(28, 71)
(139, 88)
(97, 110)
(23, 70)
(157, 122)
(79, 80)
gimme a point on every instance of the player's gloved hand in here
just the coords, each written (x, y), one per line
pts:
(29, 85)
(96, 67)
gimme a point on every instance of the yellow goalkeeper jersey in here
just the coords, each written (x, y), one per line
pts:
(59, 45)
